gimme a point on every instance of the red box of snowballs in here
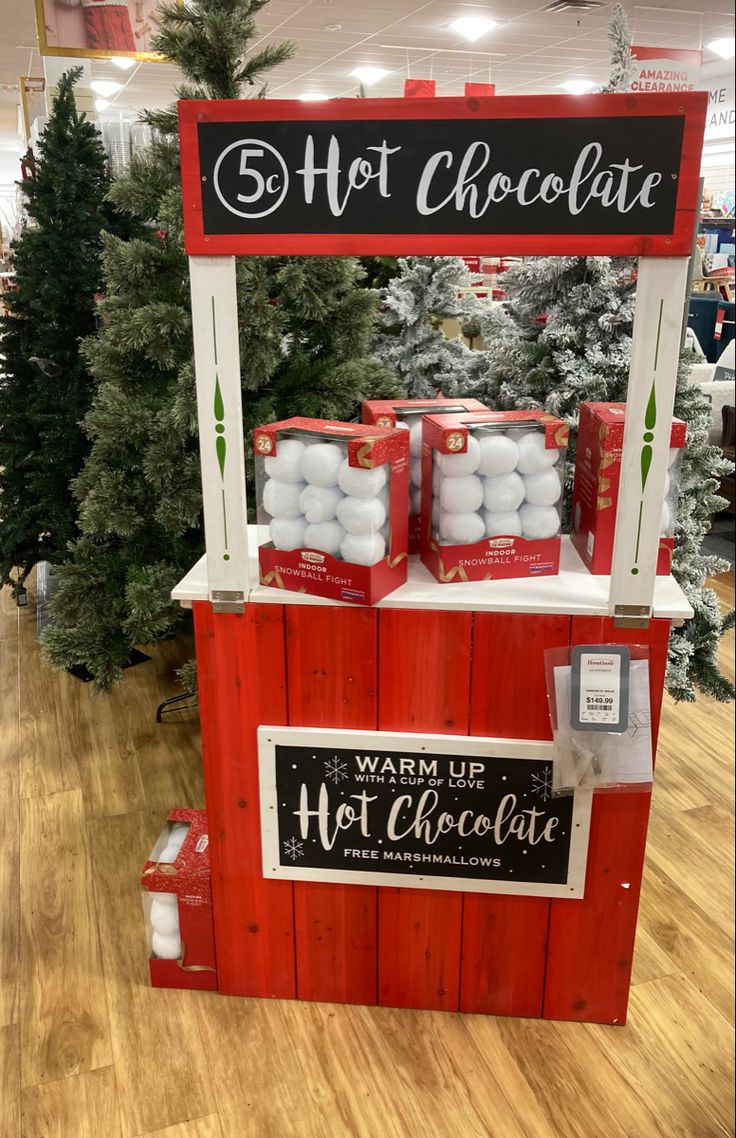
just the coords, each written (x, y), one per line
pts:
(332, 498)
(177, 905)
(597, 477)
(407, 414)
(492, 484)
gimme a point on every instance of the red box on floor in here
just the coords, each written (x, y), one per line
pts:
(511, 519)
(177, 904)
(407, 412)
(597, 477)
(335, 498)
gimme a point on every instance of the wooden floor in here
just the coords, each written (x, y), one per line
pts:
(89, 1050)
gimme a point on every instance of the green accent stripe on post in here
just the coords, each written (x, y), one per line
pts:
(638, 533)
(659, 333)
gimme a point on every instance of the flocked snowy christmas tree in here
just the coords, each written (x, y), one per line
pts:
(305, 329)
(45, 387)
(426, 291)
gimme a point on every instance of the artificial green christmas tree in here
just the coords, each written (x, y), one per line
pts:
(45, 386)
(305, 328)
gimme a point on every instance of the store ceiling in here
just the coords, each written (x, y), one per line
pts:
(529, 51)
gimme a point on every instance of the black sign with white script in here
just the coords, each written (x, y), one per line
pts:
(587, 175)
(366, 811)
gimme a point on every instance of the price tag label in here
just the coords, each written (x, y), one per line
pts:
(600, 687)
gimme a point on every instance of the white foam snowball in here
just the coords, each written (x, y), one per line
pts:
(164, 918)
(456, 465)
(666, 521)
(281, 499)
(169, 853)
(462, 529)
(321, 462)
(325, 536)
(436, 477)
(415, 438)
(498, 454)
(506, 524)
(503, 493)
(516, 433)
(461, 495)
(361, 515)
(415, 471)
(436, 514)
(401, 425)
(415, 501)
(285, 465)
(287, 533)
(361, 482)
(166, 947)
(533, 454)
(363, 548)
(319, 503)
(543, 488)
(539, 521)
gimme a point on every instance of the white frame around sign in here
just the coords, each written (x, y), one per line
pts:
(269, 737)
(652, 382)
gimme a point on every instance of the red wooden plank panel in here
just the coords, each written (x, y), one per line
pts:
(331, 680)
(254, 918)
(591, 942)
(504, 938)
(424, 686)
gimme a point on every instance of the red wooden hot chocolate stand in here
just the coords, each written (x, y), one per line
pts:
(433, 662)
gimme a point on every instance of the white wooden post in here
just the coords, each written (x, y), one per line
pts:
(655, 350)
(220, 417)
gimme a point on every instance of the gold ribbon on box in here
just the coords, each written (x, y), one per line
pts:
(447, 575)
(392, 562)
(603, 503)
(608, 458)
(161, 867)
(192, 967)
(562, 436)
(274, 579)
(364, 452)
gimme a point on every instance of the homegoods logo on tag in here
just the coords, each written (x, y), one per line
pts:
(501, 542)
(317, 558)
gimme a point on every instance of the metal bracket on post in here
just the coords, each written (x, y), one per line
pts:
(655, 350)
(220, 419)
(631, 616)
(228, 600)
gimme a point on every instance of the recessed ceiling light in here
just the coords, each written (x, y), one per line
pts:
(369, 75)
(105, 87)
(724, 48)
(578, 86)
(102, 104)
(123, 63)
(472, 27)
(315, 98)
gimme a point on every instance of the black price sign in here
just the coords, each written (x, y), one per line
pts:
(437, 812)
(610, 173)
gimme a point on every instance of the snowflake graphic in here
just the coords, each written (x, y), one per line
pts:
(542, 783)
(293, 849)
(336, 770)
